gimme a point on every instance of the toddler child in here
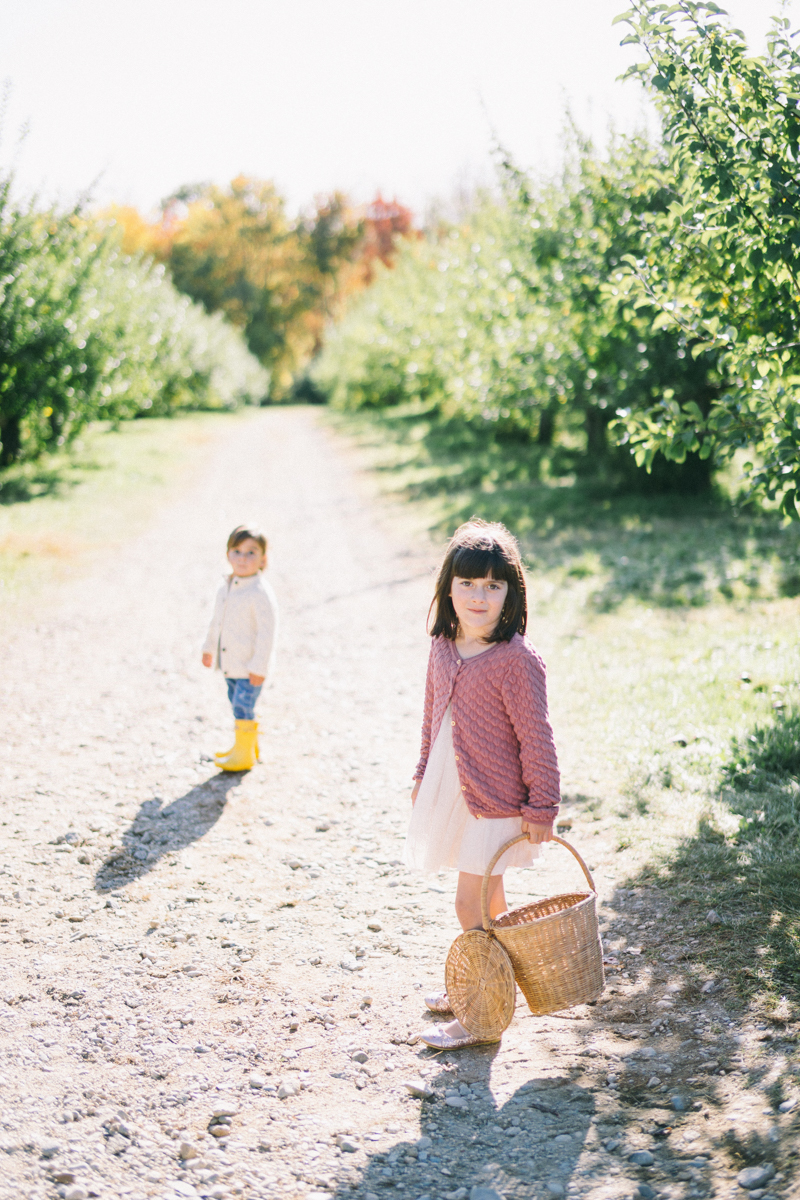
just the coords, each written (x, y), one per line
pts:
(488, 769)
(241, 640)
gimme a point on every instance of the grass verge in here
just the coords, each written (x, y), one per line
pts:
(670, 550)
(61, 513)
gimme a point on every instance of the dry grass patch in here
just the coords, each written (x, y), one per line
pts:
(59, 513)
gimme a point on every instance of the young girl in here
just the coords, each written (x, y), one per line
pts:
(488, 769)
(241, 640)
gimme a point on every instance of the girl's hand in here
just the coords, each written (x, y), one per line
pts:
(257, 680)
(537, 833)
(415, 791)
(207, 660)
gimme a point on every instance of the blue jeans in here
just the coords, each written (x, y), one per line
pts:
(243, 697)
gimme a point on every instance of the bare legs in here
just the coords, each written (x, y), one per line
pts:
(468, 899)
(468, 911)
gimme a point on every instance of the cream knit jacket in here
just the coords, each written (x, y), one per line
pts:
(241, 636)
(503, 740)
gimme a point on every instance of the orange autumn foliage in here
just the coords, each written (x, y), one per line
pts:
(140, 236)
(384, 222)
(280, 280)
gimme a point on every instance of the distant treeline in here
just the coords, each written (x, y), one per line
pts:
(219, 301)
(648, 300)
(279, 279)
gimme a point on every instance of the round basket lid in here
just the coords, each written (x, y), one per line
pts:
(480, 984)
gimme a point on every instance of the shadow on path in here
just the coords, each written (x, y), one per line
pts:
(642, 1111)
(156, 831)
(524, 1144)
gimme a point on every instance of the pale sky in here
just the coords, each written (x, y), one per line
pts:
(140, 96)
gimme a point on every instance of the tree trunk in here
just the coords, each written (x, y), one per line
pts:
(547, 425)
(596, 434)
(10, 440)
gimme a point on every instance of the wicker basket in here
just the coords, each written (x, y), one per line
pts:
(554, 944)
(480, 984)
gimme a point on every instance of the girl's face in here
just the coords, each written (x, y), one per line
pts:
(247, 558)
(478, 604)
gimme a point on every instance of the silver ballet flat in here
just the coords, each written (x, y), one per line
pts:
(437, 1002)
(437, 1039)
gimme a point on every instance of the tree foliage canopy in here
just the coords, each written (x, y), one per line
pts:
(721, 263)
(648, 301)
(505, 321)
(87, 332)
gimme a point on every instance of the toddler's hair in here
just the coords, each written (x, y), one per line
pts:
(478, 550)
(242, 532)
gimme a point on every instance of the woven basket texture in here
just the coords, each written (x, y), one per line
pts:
(480, 984)
(555, 950)
(554, 945)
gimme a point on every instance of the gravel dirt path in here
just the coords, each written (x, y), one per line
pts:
(211, 984)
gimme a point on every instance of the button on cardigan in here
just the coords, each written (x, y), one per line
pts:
(503, 740)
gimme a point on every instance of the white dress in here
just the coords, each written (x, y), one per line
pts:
(443, 832)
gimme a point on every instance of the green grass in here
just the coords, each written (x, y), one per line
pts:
(59, 514)
(669, 626)
(668, 550)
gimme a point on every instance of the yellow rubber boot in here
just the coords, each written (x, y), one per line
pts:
(223, 754)
(243, 755)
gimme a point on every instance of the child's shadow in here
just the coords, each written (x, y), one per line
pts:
(523, 1144)
(156, 831)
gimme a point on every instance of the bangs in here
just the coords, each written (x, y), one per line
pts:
(478, 562)
(241, 534)
(480, 550)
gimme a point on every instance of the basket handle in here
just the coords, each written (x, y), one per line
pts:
(523, 837)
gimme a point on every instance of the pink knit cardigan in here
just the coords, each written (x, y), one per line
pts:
(503, 740)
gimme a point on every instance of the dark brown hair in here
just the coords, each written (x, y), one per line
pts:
(242, 532)
(479, 550)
